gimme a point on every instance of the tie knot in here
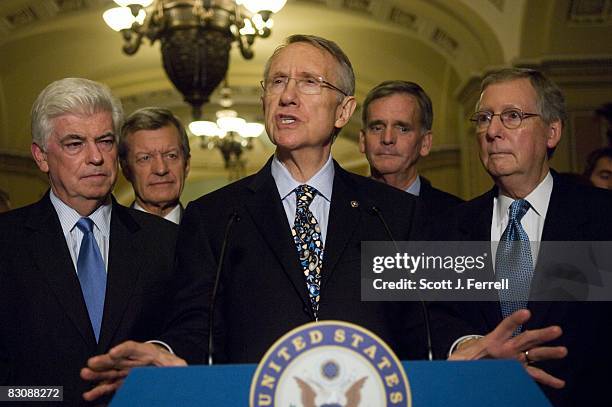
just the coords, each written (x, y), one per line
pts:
(304, 195)
(518, 209)
(85, 225)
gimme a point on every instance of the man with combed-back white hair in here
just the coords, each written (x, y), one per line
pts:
(80, 273)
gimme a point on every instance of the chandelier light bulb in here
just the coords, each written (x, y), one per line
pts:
(121, 18)
(248, 28)
(228, 124)
(252, 130)
(255, 6)
(205, 128)
(126, 3)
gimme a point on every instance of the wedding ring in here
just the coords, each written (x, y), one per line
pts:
(527, 360)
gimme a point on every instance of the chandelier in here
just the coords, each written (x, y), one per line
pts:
(230, 134)
(195, 36)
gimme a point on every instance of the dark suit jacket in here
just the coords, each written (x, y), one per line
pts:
(575, 213)
(263, 292)
(436, 201)
(45, 333)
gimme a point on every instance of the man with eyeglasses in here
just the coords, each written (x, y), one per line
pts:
(80, 273)
(519, 120)
(285, 243)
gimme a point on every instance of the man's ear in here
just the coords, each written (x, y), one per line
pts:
(344, 111)
(40, 157)
(362, 146)
(426, 144)
(553, 136)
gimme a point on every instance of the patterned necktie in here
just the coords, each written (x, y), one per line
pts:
(92, 275)
(513, 261)
(307, 238)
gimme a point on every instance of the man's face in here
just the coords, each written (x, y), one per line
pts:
(157, 167)
(601, 176)
(518, 152)
(295, 121)
(80, 158)
(393, 139)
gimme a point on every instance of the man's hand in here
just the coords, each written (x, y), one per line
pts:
(525, 347)
(111, 368)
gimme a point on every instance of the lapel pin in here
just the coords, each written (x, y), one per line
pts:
(354, 204)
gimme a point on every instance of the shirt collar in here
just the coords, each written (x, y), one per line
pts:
(173, 216)
(538, 199)
(322, 181)
(415, 187)
(69, 217)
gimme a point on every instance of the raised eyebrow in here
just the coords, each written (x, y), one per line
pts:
(278, 75)
(308, 75)
(105, 135)
(376, 123)
(72, 137)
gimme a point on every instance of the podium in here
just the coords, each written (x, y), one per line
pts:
(497, 383)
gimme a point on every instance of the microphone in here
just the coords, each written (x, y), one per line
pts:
(423, 305)
(234, 217)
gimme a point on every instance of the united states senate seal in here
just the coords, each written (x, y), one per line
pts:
(331, 364)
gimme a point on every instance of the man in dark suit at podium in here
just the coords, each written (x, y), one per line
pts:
(80, 273)
(285, 243)
(397, 118)
(292, 232)
(519, 121)
(296, 227)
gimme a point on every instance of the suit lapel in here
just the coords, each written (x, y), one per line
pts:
(343, 218)
(52, 257)
(476, 226)
(123, 270)
(266, 210)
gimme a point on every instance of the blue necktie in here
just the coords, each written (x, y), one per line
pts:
(307, 238)
(513, 261)
(92, 274)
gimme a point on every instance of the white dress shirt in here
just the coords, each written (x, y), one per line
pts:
(68, 218)
(322, 181)
(532, 222)
(173, 216)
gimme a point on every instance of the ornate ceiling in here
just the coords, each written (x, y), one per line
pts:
(440, 44)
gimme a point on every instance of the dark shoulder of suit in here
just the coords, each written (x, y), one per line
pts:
(263, 293)
(436, 200)
(45, 335)
(437, 207)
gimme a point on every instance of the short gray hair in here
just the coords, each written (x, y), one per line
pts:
(151, 118)
(549, 98)
(389, 88)
(550, 102)
(76, 96)
(345, 75)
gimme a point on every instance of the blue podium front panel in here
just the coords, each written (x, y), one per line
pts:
(497, 383)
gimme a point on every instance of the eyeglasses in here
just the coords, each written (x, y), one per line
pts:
(510, 118)
(310, 85)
